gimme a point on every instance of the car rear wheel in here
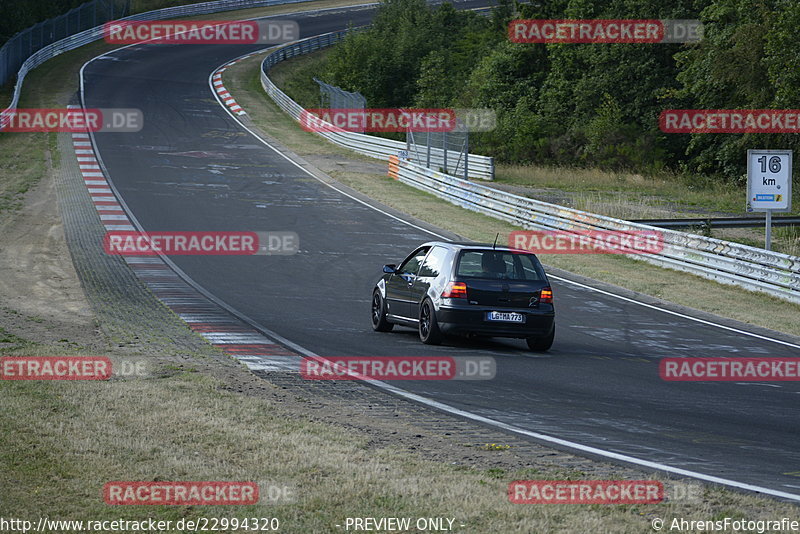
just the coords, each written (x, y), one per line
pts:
(379, 321)
(543, 343)
(429, 332)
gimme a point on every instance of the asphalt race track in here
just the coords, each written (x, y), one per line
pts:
(193, 167)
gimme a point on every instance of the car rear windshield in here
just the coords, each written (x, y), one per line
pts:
(500, 265)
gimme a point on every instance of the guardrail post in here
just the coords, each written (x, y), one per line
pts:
(768, 236)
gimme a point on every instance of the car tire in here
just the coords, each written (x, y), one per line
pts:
(543, 343)
(429, 332)
(379, 321)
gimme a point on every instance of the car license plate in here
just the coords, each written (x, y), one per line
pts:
(506, 317)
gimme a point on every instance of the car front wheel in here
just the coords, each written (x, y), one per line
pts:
(429, 332)
(379, 321)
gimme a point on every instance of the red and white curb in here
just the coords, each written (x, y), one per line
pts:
(232, 335)
(112, 216)
(224, 95)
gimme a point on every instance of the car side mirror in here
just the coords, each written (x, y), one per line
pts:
(390, 269)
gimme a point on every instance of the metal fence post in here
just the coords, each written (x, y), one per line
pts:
(444, 149)
(466, 155)
(19, 60)
(428, 142)
(3, 65)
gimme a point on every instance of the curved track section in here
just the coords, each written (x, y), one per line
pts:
(194, 167)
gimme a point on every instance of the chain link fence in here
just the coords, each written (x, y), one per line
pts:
(447, 152)
(332, 97)
(27, 42)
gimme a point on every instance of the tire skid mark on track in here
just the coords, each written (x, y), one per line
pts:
(543, 438)
(211, 319)
(203, 316)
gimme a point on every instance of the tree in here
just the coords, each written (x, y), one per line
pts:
(747, 60)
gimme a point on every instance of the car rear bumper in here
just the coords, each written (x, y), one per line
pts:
(472, 320)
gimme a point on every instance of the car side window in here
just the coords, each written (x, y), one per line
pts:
(434, 263)
(411, 266)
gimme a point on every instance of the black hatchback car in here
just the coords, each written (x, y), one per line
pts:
(466, 288)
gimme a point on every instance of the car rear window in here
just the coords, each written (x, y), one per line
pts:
(499, 265)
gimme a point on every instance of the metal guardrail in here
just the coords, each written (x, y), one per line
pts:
(719, 222)
(377, 147)
(726, 262)
(723, 261)
(88, 15)
(95, 34)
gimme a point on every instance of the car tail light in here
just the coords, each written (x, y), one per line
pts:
(455, 290)
(546, 296)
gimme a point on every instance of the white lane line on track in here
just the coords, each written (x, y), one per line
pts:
(677, 314)
(620, 297)
(430, 402)
(517, 430)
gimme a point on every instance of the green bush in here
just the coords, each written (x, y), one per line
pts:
(584, 104)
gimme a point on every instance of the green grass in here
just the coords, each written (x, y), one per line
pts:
(21, 167)
(10, 343)
(624, 195)
(296, 77)
(679, 195)
(785, 239)
(7, 337)
(63, 441)
(25, 158)
(674, 286)
(140, 6)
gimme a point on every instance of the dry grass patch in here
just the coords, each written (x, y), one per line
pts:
(63, 440)
(180, 425)
(683, 195)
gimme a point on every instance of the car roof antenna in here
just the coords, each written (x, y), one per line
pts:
(494, 245)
